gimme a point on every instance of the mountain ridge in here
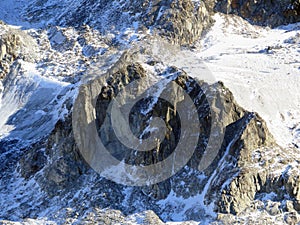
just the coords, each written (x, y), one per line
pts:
(45, 177)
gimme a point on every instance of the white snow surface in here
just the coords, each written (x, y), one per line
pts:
(262, 80)
(31, 104)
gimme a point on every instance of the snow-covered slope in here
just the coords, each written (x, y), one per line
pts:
(26, 102)
(261, 66)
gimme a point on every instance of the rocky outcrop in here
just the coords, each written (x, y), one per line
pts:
(267, 13)
(14, 44)
(265, 181)
(9, 45)
(180, 21)
(248, 168)
(59, 159)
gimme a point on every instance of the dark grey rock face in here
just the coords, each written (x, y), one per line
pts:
(64, 165)
(267, 13)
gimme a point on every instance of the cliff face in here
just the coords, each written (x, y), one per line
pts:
(102, 121)
(267, 13)
(245, 169)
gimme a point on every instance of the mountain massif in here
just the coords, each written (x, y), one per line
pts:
(149, 112)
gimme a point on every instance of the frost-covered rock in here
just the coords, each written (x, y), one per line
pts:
(180, 21)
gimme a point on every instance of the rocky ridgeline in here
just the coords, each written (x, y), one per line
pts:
(180, 21)
(266, 13)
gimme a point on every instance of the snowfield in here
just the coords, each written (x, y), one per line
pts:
(261, 66)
